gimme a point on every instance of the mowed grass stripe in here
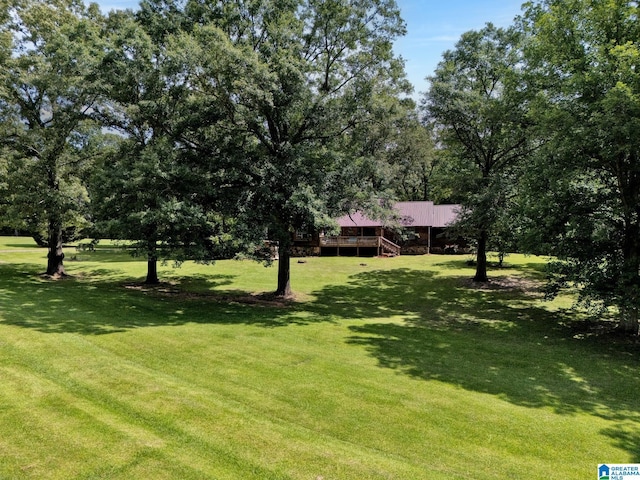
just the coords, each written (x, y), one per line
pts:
(245, 393)
(64, 407)
(393, 369)
(175, 401)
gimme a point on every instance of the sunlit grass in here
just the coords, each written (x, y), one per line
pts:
(394, 368)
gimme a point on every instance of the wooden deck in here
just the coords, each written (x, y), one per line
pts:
(381, 244)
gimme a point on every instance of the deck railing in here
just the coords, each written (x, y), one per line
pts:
(382, 244)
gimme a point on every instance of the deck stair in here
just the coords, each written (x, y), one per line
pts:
(388, 247)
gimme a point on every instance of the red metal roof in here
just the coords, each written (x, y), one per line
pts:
(411, 214)
(445, 215)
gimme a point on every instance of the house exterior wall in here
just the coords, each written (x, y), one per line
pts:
(424, 221)
(420, 244)
(443, 243)
(362, 231)
(306, 245)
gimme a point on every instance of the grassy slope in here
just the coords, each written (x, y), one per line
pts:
(383, 369)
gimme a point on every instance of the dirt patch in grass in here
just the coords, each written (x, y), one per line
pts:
(522, 285)
(57, 276)
(267, 299)
(600, 327)
(605, 332)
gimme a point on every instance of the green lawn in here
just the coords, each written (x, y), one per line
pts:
(391, 368)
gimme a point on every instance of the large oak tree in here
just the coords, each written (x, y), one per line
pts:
(294, 80)
(478, 107)
(49, 86)
(146, 189)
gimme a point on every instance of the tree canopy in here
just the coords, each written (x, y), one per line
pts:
(292, 82)
(197, 111)
(198, 129)
(478, 107)
(583, 60)
(49, 86)
(145, 189)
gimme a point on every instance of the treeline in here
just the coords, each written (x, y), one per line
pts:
(540, 123)
(198, 129)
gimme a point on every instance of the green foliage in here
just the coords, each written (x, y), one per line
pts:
(146, 188)
(477, 104)
(583, 61)
(292, 83)
(269, 113)
(406, 160)
(49, 86)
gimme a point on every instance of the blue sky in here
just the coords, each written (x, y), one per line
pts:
(433, 26)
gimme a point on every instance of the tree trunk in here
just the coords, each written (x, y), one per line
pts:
(55, 267)
(152, 265)
(152, 271)
(284, 269)
(628, 323)
(630, 288)
(481, 259)
(55, 256)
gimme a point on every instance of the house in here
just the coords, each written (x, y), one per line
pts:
(417, 228)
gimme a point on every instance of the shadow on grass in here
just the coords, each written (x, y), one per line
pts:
(22, 246)
(537, 270)
(102, 255)
(495, 341)
(87, 306)
(499, 342)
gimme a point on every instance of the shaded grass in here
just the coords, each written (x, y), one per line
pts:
(383, 368)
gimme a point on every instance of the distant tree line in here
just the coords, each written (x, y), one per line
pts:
(198, 129)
